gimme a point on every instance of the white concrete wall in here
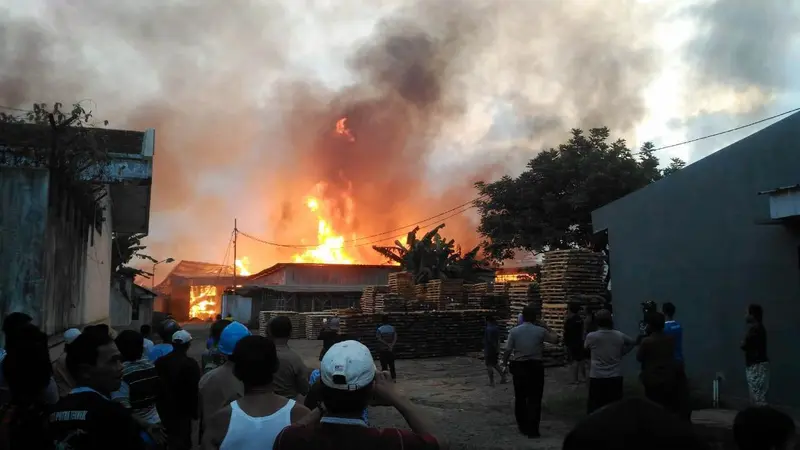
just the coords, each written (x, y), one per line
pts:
(119, 306)
(96, 299)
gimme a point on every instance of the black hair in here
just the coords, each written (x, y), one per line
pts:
(97, 330)
(574, 308)
(13, 323)
(668, 309)
(655, 321)
(490, 319)
(84, 350)
(385, 319)
(529, 313)
(130, 345)
(145, 330)
(280, 327)
(167, 328)
(217, 328)
(762, 428)
(27, 367)
(256, 360)
(603, 322)
(339, 401)
(756, 311)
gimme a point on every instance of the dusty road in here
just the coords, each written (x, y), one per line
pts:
(454, 393)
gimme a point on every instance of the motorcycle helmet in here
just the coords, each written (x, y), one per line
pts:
(167, 329)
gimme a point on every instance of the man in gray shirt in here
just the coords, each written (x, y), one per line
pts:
(607, 347)
(526, 343)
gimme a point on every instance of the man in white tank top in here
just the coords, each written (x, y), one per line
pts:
(253, 421)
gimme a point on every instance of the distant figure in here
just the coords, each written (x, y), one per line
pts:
(660, 373)
(291, 377)
(573, 341)
(673, 329)
(329, 335)
(526, 344)
(647, 308)
(253, 421)
(491, 350)
(165, 331)
(146, 331)
(607, 347)
(387, 338)
(61, 374)
(213, 357)
(764, 428)
(180, 375)
(756, 361)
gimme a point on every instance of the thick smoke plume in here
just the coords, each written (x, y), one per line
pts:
(245, 101)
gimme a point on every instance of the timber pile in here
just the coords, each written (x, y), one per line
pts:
(393, 302)
(476, 295)
(570, 273)
(422, 334)
(368, 296)
(419, 293)
(402, 284)
(444, 292)
(314, 323)
(298, 322)
(553, 315)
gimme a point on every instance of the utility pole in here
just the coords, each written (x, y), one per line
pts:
(235, 233)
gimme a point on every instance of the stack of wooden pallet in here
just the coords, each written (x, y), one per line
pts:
(554, 355)
(554, 315)
(297, 320)
(314, 322)
(419, 293)
(368, 295)
(423, 334)
(402, 284)
(476, 295)
(570, 273)
(393, 302)
(444, 292)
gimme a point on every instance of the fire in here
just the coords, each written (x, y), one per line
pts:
(241, 267)
(202, 302)
(330, 248)
(342, 130)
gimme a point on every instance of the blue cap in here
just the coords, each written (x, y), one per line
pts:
(232, 334)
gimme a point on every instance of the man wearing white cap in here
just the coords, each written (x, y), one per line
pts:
(64, 380)
(349, 383)
(180, 375)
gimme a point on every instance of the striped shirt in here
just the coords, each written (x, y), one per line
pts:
(139, 390)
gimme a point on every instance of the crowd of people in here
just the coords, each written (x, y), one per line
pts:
(125, 391)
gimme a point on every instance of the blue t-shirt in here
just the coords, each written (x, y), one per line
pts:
(158, 351)
(674, 329)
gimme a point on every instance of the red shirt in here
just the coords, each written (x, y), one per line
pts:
(327, 436)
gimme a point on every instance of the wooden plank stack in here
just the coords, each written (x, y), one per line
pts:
(422, 334)
(554, 315)
(393, 302)
(297, 320)
(402, 284)
(314, 322)
(444, 292)
(419, 293)
(570, 273)
(476, 295)
(368, 295)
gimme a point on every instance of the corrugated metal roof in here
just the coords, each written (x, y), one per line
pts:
(280, 266)
(312, 288)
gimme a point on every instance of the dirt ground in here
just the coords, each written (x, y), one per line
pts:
(453, 392)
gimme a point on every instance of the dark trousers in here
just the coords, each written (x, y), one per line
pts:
(528, 389)
(603, 391)
(672, 395)
(387, 362)
(179, 433)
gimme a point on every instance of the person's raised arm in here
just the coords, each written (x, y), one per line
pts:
(419, 424)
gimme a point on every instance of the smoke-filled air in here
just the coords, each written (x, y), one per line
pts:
(323, 125)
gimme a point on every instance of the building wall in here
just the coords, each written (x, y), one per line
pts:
(692, 239)
(300, 275)
(120, 307)
(96, 301)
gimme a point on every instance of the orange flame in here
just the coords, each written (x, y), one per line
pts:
(241, 267)
(202, 302)
(342, 130)
(330, 247)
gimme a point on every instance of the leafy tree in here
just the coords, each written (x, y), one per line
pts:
(433, 257)
(124, 248)
(549, 205)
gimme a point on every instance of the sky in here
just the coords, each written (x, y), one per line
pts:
(245, 95)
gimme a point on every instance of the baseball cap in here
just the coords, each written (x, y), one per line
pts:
(232, 334)
(347, 366)
(70, 335)
(181, 337)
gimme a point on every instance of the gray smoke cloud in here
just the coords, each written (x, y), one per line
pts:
(245, 100)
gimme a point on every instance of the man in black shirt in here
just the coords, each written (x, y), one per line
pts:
(87, 419)
(180, 375)
(573, 340)
(329, 335)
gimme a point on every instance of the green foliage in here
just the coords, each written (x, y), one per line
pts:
(549, 205)
(124, 248)
(433, 257)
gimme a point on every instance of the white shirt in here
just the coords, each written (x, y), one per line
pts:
(255, 433)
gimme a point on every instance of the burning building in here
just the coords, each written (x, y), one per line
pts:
(193, 290)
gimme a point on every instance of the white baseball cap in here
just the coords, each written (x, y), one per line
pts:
(70, 335)
(181, 337)
(347, 366)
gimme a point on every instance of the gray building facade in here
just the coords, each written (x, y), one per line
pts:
(706, 240)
